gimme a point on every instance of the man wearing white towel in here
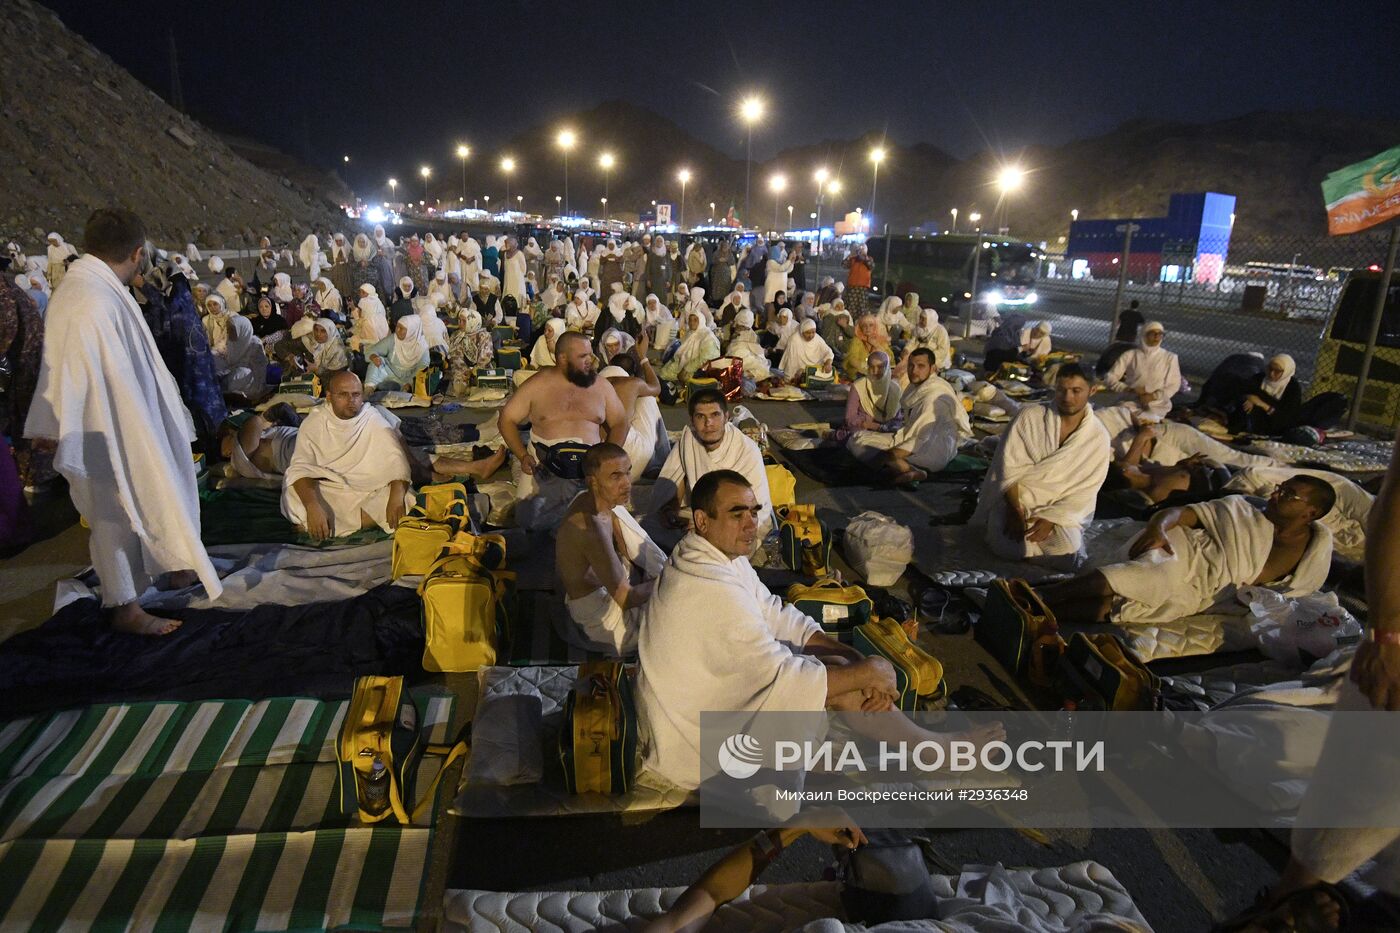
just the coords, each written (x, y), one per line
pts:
(707, 444)
(1039, 494)
(606, 563)
(1192, 558)
(932, 422)
(122, 435)
(349, 470)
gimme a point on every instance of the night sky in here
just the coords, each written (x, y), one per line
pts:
(397, 84)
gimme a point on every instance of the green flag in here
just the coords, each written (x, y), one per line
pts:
(1364, 194)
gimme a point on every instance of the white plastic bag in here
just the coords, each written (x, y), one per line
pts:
(878, 547)
(1288, 627)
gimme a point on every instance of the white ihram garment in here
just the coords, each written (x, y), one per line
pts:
(603, 622)
(689, 460)
(353, 462)
(934, 422)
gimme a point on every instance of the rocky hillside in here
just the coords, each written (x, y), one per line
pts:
(79, 132)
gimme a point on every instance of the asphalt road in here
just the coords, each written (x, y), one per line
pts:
(1201, 338)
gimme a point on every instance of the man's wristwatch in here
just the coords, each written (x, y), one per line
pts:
(1384, 638)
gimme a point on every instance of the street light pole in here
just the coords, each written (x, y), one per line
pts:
(877, 155)
(566, 142)
(462, 153)
(684, 176)
(954, 212)
(751, 110)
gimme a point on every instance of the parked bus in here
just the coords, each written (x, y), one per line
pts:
(940, 269)
(1344, 345)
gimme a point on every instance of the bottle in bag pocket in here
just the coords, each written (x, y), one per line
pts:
(374, 796)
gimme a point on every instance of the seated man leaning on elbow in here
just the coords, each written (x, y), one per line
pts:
(606, 564)
(1190, 559)
(713, 638)
(349, 470)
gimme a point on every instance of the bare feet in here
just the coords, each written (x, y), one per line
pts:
(134, 620)
(444, 468)
(910, 476)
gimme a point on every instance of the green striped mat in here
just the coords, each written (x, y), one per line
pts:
(217, 814)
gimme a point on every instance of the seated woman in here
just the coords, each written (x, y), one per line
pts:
(929, 335)
(542, 354)
(807, 352)
(1035, 343)
(730, 310)
(611, 343)
(870, 336)
(434, 330)
(318, 349)
(1271, 406)
(743, 343)
(268, 325)
(781, 328)
(698, 346)
(242, 366)
(891, 315)
(1004, 345)
(874, 399)
(774, 309)
(396, 361)
(837, 328)
(468, 349)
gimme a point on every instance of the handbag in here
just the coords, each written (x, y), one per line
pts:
(1098, 673)
(598, 740)
(804, 539)
(1020, 631)
(837, 608)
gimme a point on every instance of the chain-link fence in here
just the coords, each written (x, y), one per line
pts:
(1271, 294)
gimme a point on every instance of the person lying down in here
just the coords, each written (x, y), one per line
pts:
(1193, 558)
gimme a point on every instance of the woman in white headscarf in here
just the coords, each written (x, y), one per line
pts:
(434, 330)
(542, 354)
(891, 315)
(781, 330)
(623, 312)
(875, 396)
(216, 322)
(698, 347)
(1037, 344)
(1273, 407)
(469, 349)
(805, 350)
(695, 301)
(928, 335)
(327, 351)
(328, 297)
(242, 365)
(613, 342)
(743, 343)
(398, 359)
(370, 320)
(1148, 374)
(58, 254)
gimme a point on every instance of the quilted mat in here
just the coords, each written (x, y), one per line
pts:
(963, 548)
(1080, 896)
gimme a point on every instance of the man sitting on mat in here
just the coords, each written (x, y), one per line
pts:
(713, 638)
(1039, 493)
(1192, 558)
(931, 424)
(606, 564)
(569, 409)
(707, 444)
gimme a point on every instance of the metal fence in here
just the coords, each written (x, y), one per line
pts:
(1267, 294)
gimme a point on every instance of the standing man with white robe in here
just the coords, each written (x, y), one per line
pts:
(1040, 492)
(122, 434)
(513, 272)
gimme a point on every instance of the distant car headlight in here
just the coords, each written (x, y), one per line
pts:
(994, 298)
(1032, 298)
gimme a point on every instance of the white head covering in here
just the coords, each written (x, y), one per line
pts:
(373, 323)
(801, 352)
(406, 287)
(880, 396)
(363, 250)
(783, 327)
(541, 356)
(697, 341)
(326, 356)
(410, 350)
(744, 318)
(1274, 388)
(625, 342)
(434, 330)
(282, 287)
(1142, 342)
(216, 265)
(928, 320)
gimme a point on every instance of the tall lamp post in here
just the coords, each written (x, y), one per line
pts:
(823, 186)
(750, 111)
(557, 208)
(425, 171)
(462, 152)
(507, 166)
(976, 220)
(789, 216)
(1009, 179)
(606, 162)
(954, 212)
(684, 176)
(877, 155)
(777, 184)
(394, 190)
(566, 142)
(712, 212)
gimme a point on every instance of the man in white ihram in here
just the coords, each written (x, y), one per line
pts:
(123, 435)
(349, 470)
(707, 444)
(931, 425)
(713, 638)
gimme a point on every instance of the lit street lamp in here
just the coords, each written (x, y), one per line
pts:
(1009, 179)
(520, 203)
(425, 171)
(776, 184)
(823, 186)
(954, 212)
(877, 155)
(789, 216)
(507, 166)
(566, 142)
(557, 199)
(684, 176)
(487, 199)
(607, 162)
(393, 189)
(712, 211)
(750, 111)
(346, 159)
(462, 153)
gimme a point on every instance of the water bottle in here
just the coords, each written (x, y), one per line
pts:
(375, 799)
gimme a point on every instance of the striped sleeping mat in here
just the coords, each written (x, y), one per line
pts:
(219, 814)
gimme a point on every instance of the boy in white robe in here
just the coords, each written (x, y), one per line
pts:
(933, 423)
(1040, 492)
(349, 470)
(707, 444)
(121, 434)
(1194, 558)
(606, 564)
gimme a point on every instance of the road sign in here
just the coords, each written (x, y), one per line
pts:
(663, 215)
